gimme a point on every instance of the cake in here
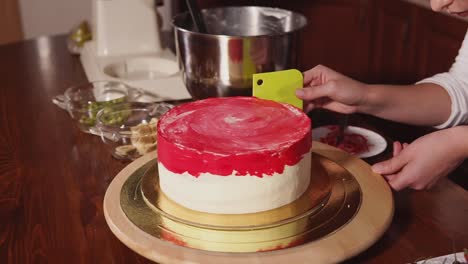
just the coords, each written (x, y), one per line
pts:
(234, 155)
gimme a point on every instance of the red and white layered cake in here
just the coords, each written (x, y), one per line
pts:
(234, 155)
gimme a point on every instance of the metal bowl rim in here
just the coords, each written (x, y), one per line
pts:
(186, 13)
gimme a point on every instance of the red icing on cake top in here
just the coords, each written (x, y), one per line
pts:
(223, 135)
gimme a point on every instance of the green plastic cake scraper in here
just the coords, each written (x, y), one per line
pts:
(278, 86)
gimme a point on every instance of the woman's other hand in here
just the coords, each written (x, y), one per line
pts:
(422, 163)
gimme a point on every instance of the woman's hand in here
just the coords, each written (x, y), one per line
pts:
(422, 163)
(421, 104)
(331, 90)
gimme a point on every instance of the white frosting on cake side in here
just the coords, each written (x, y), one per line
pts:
(236, 194)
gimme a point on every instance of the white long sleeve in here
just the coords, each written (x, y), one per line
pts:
(455, 82)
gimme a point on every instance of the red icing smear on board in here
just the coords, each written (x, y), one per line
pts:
(245, 134)
(165, 235)
(351, 143)
(294, 243)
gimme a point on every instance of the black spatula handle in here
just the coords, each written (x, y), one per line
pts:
(196, 16)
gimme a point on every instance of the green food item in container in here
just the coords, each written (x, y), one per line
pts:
(89, 118)
(116, 118)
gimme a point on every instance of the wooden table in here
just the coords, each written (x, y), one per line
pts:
(53, 177)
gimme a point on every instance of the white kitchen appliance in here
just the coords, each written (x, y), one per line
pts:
(126, 47)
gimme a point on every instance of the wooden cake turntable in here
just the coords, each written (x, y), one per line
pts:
(345, 210)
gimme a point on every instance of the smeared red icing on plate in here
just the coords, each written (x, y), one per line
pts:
(242, 134)
(351, 143)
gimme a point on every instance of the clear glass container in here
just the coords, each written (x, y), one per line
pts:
(84, 101)
(129, 129)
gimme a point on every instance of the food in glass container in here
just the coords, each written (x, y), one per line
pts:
(129, 129)
(142, 138)
(88, 118)
(84, 101)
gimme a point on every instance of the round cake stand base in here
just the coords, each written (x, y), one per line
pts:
(362, 230)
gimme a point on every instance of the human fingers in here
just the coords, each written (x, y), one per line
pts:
(309, 106)
(395, 181)
(318, 103)
(389, 177)
(336, 106)
(319, 75)
(327, 103)
(390, 166)
(318, 91)
(409, 176)
(312, 81)
(312, 74)
(439, 5)
(397, 147)
(398, 182)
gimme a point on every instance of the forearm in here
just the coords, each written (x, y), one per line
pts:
(421, 104)
(458, 138)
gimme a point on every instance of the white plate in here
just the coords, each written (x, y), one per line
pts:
(376, 143)
(447, 259)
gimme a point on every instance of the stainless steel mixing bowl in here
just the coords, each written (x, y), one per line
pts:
(240, 41)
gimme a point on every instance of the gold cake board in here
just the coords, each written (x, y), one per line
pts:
(365, 226)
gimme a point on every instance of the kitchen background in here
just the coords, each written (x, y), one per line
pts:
(26, 19)
(376, 41)
(398, 41)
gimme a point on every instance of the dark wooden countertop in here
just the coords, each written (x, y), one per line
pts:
(53, 177)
